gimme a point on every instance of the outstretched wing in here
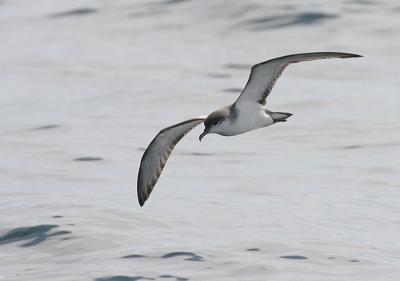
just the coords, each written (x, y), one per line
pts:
(264, 75)
(157, 153)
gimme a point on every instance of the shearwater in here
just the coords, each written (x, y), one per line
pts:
(247, 113)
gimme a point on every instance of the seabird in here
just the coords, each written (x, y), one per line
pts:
(247, 113)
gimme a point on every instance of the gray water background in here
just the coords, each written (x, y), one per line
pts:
(85, 85)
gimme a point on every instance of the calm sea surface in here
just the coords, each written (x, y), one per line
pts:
(85, 86)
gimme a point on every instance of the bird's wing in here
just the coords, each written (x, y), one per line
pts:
(157, 153)
(264, 75)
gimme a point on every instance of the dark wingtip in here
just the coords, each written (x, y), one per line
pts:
(141, 199)
(353, 56)
(141, 202)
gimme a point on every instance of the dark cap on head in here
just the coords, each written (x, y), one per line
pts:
(214, 118)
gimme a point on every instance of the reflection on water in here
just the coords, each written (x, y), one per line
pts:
(237, 66)
(88, 158)
(218, 75)
(136, 278)
(191, 256)
(133, 256)
(289, 20)
(47, 127)
(88, 81)
(253, 249)
(36, 234)
(294, 257)
(177, 278)
(74, 13)
(233, 90)
(123, 278)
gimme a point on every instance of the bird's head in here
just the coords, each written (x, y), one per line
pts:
(212, 123)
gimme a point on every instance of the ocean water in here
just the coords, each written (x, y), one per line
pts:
(85, 86)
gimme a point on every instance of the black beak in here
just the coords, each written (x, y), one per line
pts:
(203, 134)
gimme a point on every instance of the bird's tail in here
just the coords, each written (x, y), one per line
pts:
(280, 116)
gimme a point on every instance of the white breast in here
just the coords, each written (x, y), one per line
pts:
(248, 118)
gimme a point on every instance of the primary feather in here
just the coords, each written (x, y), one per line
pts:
(157, 153)
(264, 75)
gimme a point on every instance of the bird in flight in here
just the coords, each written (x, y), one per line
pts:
(247, 113)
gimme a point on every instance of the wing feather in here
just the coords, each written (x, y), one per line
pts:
(157, 153)
(264, 75)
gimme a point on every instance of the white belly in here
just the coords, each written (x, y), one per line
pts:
(247, 120)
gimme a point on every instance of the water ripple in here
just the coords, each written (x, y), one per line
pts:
(74, 13)
(306, 18)
(36, 234)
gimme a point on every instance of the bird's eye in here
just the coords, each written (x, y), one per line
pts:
(215, 123)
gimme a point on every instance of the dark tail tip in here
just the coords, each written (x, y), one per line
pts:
(280, 116)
